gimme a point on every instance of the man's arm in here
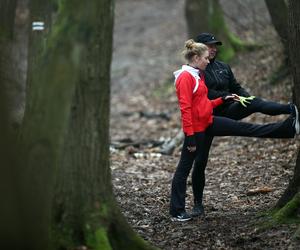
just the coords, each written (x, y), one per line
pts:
(234, 86)
(214, 94)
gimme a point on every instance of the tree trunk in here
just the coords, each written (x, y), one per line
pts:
(294, 45)
(52, 72)
(7, 20)
(67, 130)
(293, 187)
(279, 16)
(207, 16)
(290, 198)
(196, 23)
(65, 134)
(10, 226)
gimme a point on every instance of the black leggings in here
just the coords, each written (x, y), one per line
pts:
(221, 126)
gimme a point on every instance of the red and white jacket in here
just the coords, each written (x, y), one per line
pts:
(196, 109)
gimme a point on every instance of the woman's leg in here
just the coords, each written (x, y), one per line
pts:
(237, 111)
(178, 190)
(223, 126)
(198, 175)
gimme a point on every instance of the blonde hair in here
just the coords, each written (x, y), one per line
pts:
(191, 48)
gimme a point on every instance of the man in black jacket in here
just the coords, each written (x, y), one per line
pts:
(220, 81)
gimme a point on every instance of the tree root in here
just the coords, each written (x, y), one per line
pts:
(288, 210)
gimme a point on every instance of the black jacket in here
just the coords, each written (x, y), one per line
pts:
(220, 81)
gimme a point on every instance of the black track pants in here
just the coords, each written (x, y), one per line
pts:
(237, 111)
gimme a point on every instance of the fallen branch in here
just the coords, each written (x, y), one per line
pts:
(127, 142)
(169, 146)
(148, 115)
(262, 190)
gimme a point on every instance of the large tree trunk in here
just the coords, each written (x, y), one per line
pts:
(10, 226)
(294, 45)
(66, 128)
(85, 211)
(207, 16)
(52, 72)
(289, 203)
(7, 20)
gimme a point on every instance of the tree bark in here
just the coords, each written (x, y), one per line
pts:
(12, 228)
(279, 16)
(65, 134)
(52, 72)
(293, 187)
(289, 209)
(7, 20)
(196, 22)
(294, 45)
(84, 209)
(207, 16)
(291, 194)
(7, 17)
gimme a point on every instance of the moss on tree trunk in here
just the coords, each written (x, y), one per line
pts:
(288, 210)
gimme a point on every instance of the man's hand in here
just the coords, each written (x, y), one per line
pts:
(241, 99)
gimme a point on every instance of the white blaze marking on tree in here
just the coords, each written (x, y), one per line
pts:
(38, 26)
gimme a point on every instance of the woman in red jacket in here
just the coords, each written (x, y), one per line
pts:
(199, 124)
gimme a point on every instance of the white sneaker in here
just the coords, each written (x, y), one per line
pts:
(183, 216)
(296, 117)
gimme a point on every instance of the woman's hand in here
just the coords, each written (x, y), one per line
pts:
(191, 149)
(191, 143)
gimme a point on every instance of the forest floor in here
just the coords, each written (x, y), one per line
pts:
(144, 112)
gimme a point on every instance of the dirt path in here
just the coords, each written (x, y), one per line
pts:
(147, 34)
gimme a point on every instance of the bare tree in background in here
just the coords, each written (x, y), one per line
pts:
(279, 14)
(207, 16)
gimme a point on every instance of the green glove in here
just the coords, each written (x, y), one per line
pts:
(246, 100)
